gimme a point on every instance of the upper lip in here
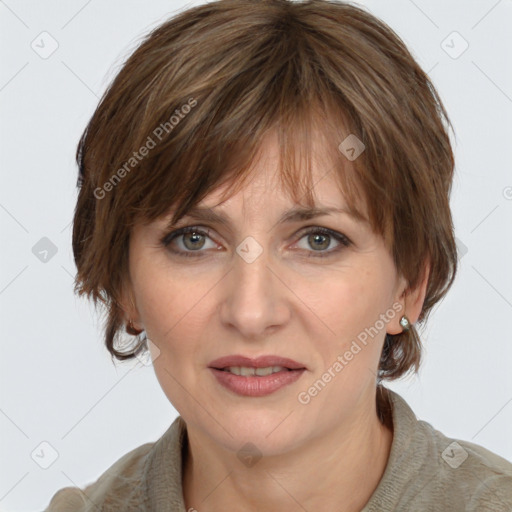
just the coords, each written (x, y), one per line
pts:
(258, 362)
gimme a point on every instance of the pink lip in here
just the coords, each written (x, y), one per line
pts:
(255, 385)
(259, 362)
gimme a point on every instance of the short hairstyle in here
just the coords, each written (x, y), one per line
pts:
(191, 105)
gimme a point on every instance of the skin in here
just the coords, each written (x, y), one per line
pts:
(315, 456)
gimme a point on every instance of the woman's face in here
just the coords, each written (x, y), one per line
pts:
(255, 286)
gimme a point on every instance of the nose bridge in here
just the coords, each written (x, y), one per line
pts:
(252, 263)
(253, 300)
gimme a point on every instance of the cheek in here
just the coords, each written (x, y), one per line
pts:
(173, 308)
(175, 321)
(349, 298)
(349, 339)
(347, 307)
(164, 294)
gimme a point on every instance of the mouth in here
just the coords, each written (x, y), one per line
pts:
(260, 366)
(249, 371)
(256, 377)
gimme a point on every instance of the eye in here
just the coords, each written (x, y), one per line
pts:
(191, 240)
(319, 239)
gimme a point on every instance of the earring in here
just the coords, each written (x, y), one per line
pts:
(130, 329)
(404, 322)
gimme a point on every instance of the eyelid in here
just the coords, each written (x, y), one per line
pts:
(176, 232)
(304, 230)
(341, 238)
(328, 231)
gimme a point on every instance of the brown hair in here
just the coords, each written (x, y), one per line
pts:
(189, 110)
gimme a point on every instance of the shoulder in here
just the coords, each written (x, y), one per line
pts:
(481, 478)
(463, 475)
(122, 481)
(429, 471)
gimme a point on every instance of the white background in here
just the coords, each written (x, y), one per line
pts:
(58, 383)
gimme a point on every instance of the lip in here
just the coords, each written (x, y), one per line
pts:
(255, 385)
(258, 362)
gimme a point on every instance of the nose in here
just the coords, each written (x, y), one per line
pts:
(254, 298)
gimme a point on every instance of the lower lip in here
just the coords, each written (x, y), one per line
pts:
(256, 386)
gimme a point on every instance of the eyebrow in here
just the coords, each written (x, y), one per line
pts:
(295, 214)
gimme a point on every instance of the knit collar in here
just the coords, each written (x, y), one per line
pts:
(163, 475)
(407, 456)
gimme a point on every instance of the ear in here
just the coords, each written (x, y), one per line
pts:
(411, 300)
(127, 304)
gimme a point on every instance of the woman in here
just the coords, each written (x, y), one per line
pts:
(264, 204)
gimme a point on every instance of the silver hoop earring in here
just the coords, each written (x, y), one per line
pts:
(404, 322)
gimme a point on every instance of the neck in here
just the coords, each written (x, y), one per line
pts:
(337, 471)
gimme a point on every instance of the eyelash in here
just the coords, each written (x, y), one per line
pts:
(342, 239)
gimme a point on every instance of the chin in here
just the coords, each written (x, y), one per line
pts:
(269, 431)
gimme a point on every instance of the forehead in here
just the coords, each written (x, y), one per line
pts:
(285, 169)
(266, 187)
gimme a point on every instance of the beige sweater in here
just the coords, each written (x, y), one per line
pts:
(426, 472)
